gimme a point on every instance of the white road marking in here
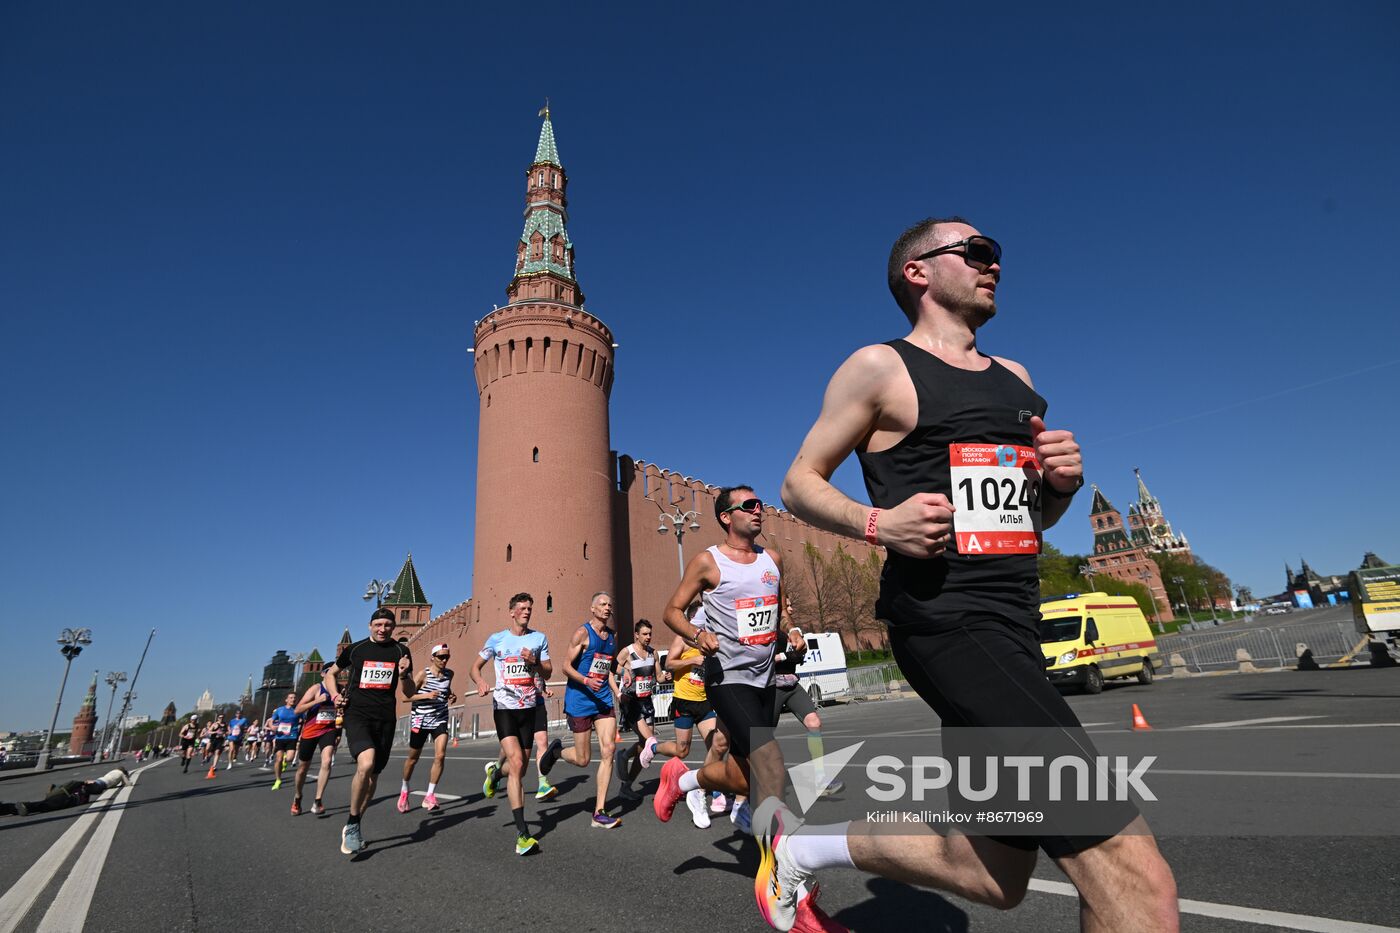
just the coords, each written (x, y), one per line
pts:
(423, 793)
(1248, 722)
(17, 901)
(70, 908)
(1230, 912)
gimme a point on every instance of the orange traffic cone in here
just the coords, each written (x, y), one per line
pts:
(1140, 721)
(210, 776)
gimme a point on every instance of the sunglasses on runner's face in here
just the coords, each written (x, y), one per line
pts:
(979, 252)
(748, 505)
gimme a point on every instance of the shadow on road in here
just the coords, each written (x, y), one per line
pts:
(892, 904)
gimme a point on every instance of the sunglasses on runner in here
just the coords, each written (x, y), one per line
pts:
(748, 505)
(979, 252)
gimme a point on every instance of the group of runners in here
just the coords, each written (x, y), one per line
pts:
(930, 418)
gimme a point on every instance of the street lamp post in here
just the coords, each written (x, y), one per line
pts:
(129, 696)
(72, 640)
(267, 685)
(1211, 600)
(678, 520)
(113, 679)
(1185, 604)
(1087, 573)
(1146, 577)
(379, 590)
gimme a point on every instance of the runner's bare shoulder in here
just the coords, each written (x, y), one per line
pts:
(1017, 370)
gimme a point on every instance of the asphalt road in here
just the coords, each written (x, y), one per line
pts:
(1280, 790)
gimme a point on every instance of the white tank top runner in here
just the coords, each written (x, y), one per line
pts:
(742, 611)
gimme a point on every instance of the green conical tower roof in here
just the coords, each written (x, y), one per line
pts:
(407, 590)
(547, 152)
(315, 655)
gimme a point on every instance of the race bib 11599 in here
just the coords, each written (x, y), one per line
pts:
(377, 675)
(996, 498)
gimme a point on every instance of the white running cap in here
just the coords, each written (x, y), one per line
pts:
(440, 648)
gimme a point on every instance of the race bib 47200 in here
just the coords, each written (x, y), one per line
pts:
(996, 498)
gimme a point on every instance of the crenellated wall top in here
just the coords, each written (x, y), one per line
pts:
(535, 311)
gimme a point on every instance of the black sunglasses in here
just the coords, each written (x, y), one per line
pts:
(979, 252)
(748, 505)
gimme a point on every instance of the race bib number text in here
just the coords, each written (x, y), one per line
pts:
(377, 675)
(996, 495)
(757, 620)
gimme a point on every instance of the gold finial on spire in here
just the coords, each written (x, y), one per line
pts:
(544, 111)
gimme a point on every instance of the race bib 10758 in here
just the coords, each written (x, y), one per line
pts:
(996, 498)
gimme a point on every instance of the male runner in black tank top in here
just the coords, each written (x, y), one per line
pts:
(963, 476)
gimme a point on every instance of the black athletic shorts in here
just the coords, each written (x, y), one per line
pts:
(285, 745)
(541, 718)
(215, 744)
(517, 723)
(417, 737)
(637, 709)
(687, 714)
(186, 744)
(794, 700)
(990, 674)
(307, 748)
(746, 714)
(361, 735)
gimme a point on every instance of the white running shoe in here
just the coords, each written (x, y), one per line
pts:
(699, 812)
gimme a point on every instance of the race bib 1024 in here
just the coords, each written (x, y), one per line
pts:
(996, 498)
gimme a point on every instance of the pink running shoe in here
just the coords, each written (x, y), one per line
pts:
(811, 918)
(430, 802)
(664, 803)
(648, 752)
(403, 802)
(718, 802)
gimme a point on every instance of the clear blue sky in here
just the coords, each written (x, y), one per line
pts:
(243, 246)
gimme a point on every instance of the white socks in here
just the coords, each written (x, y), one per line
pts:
(689, 781)
(432, 788)
(404, 789)
(813, 848)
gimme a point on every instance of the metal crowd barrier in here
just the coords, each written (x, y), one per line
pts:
(1272, 646)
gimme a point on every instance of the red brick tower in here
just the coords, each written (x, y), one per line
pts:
(1116, 555)
(545, 473)
(80, 742)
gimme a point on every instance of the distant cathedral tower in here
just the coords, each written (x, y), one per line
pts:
(1150, 528)
(80, 742)
(545, 472)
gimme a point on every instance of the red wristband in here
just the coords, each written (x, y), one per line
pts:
(870, 523)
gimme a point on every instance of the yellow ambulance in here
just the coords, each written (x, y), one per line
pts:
(1089, 637)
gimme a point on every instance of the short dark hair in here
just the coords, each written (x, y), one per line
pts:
(641, 624)
(519, 598)
(725, 499)
(911, 243)
(383, 612)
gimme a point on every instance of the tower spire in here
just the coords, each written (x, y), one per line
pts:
(544, 255)
(546, 152)
(1144, 496)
